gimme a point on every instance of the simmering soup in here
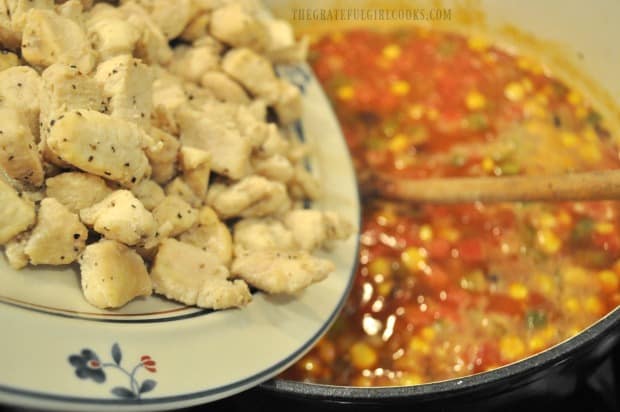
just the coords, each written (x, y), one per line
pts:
(444, 291)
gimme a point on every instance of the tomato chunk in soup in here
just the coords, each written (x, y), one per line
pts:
(445, 291)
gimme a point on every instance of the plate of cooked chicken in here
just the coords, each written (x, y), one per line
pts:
(178, 207)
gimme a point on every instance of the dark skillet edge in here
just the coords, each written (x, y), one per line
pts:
(587, 347)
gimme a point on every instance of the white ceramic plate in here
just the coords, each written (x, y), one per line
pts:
(58, 352)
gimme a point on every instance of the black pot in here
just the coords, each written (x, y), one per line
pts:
(550, 375)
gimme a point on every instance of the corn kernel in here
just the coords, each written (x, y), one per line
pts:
(416, 111)
(380, 266)
(573, 98)
(391, 51)
(548, 241)
(488, 165)
(604, 228)
(544, 283)
(547, 221)
(475, 101)
(569, 139)
(572, 306)
(524, 63)
(363, 356)
(536, 343)
(414, 258)
(398, 143)
(511, 348)
(518, 291)
(575, 276)
(425, 233)
(400, 88)
(564, 217)
(418, 345)
(385, 288)
(593, 305)
(527, 84)
(451, 234)
(427, 333)
(410, 378)
(514, 91)
(477, 43)
(345, 92)
(609, 280)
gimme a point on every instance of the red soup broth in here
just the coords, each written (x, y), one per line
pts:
(445, 291)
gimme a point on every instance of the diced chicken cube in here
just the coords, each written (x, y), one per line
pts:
(15, 253)
(76, 190)
(152, 46)
(235, 26)
(276, 167)
(18, 152)
(122, 217)
(206, 130)
(253, 71)
(170, 16)
(7, 59)
(288, 105)
(304, 185)
(72, 9)
(178, 212)
(58, 237)
(163, 154)
(149, 193)
(253, 234)
(312, 229)
(127, 83)
(109, 33)
(196, 167)
(283, 47)
(101, 145)
(197, 27)
(179, 187)
(49, 38)
(279, 272)
(254, 196)
(198, 278)
(113, 274)
(211, 235)
(168, 90)
(19, 89)
(224, 88)
(13, 19)
(191, 63)
(16, 214)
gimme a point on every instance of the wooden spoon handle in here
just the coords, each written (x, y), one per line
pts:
(598, 185)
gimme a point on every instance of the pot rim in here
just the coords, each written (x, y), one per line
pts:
(523, 371)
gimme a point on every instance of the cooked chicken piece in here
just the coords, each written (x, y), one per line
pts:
(279, 272)
(18, 152)
(127, 83)
(13, 19)
(197, 279)
(276, 167)
(7, 59)
(256, 73)
(312, 229)
(76, 190)
(168, 90)
(16, 214)
(254, 196)
(197, 27)
(235, 26)
(101, 145)
(274, 144)
(179, 187)
(49, 38)
(211, 235)
(175, 210)
(149, 193)
(15, 253)
(170, 16)
(214, 133)
(191, 63)
(283, 47)
(72, 9)
(304, 185)
(253, 234)
(109, 33)
(122, 217)
(19, 89)
(152, 46)
(163, 154)
(113, 274)
(58, 237)
(196, 167)
(65, 88)
(224, 88)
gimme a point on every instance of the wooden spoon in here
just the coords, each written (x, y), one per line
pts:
(598, 185)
